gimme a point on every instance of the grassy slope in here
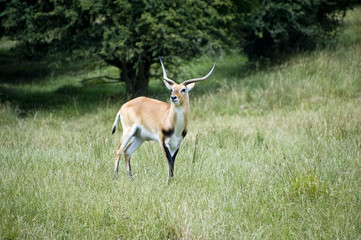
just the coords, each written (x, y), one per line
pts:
(277, 156)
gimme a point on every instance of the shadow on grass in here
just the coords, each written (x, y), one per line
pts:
(81, 98)
(14, 70)
(16, 75)
(19, 78)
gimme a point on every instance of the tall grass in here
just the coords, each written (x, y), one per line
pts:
(273, 154)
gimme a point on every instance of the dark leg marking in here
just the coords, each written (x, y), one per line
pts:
(167, 132)
(169, 156)
(184, 133)
(170, 160)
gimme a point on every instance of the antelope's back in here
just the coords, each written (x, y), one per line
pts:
(147, 112)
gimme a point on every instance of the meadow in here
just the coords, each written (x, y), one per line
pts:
(272, 153)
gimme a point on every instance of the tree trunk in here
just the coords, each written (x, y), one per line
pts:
(136, 77)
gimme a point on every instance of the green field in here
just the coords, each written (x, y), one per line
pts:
(270, 154)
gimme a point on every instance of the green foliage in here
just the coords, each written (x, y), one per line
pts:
(130, 35)
(277, 27)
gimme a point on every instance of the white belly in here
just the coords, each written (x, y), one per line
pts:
(146, 135)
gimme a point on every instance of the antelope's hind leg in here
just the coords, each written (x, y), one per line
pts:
(127, 135)
(116, 164)
(129, 150)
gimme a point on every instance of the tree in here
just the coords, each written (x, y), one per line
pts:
(128, 34)
(276, 28)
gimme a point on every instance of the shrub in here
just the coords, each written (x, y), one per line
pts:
(279, 27)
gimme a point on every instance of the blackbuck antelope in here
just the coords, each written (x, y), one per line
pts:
(145, 119)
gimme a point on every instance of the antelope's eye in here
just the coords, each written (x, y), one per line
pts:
(183, 90)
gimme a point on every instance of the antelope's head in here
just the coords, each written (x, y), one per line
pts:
(179, 92)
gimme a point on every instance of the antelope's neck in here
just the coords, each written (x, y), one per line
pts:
(179, 118)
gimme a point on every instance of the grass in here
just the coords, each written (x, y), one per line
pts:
(273, 154)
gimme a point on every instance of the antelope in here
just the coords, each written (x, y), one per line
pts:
(144, 119)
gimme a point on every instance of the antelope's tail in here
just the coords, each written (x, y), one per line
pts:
(117, 118)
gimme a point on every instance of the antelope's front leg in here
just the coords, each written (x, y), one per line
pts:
(170, 158)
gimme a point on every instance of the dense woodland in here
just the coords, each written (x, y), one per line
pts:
(131, 35)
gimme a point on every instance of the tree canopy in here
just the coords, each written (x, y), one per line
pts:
(132, 34)
(128, 34)
(277, 27)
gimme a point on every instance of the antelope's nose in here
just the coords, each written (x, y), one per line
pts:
(173, 98)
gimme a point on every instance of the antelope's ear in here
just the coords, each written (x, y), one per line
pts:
(190, 86)
(167, 85)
